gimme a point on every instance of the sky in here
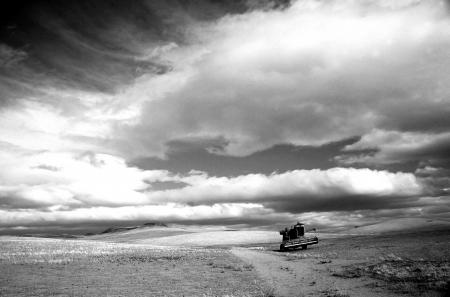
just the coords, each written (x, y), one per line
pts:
(247, 113)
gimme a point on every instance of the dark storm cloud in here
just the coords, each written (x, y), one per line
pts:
(182, 157)
(96, 46)
(10, 57)
(420, 117)
(384, 148)
(79, 44)
(343, 203)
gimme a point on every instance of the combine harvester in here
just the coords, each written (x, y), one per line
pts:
(295, 238)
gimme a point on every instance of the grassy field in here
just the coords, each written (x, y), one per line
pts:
(58, 267)
(160, 262)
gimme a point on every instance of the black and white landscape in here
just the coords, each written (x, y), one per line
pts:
(156, 148)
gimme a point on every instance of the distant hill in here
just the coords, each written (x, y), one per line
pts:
(122, 229)
(118, 229)
(400, 225)
(155, 225)
(132, 234)
(167, 235)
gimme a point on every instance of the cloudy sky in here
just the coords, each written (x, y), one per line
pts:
(243, 112)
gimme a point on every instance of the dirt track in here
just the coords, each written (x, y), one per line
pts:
(304, 277)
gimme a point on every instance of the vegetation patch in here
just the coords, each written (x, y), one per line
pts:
(403, 275)
(228, 266)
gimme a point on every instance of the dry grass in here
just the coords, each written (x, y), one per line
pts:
(263, 291)
(301, 254)
(414, 277)
(411, 264)
(216, 238)
(57, 251)
(334, 292)
(221, 265)
(48, 267)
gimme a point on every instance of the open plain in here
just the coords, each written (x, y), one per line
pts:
(225, 263)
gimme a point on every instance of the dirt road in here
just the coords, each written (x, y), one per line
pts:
(305, 277)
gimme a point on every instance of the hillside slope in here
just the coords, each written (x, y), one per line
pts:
(211, 238)
(138, 234)
(401, 225)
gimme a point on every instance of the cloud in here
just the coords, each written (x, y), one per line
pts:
(298, 184)
(205, 156)
(166, 212)
(89, 95)
(98, 218)
(63, 190)
(309, 74)
(436, 179)
(397, 147)
(10, 56)
(74, 181)
(47, 187)
(428, 151)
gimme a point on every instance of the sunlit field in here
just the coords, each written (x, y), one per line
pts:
(43, 267)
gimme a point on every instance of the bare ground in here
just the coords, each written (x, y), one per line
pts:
(412, 264)
(303, 278)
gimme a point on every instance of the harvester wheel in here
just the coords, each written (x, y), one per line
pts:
(282, 247)
(304, 246)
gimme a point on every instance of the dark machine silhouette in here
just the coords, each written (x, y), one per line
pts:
(295, 237)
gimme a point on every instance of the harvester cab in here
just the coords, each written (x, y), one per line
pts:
(296, 237)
